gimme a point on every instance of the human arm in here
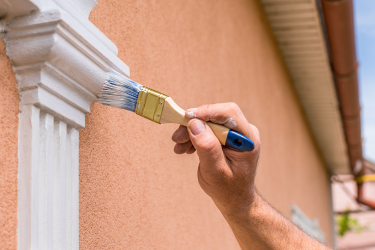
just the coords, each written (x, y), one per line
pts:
(227, 176)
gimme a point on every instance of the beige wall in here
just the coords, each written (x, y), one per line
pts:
(9, 109)
(135, 193)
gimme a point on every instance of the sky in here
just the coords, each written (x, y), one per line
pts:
(364, 14)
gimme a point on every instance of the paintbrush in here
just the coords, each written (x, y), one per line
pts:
(121, 92)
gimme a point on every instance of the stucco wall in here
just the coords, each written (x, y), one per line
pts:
(9, 109)
(135, 193)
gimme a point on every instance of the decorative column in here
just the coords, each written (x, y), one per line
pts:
(60, 60)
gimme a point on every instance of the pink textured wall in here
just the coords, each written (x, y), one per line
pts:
(135, 193)
(9, 108)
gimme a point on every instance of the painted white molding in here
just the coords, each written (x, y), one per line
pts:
(309, 226)
(60, 60)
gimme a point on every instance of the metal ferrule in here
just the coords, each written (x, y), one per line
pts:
(150, 104)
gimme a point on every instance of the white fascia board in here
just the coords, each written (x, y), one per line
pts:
(60, 60)
(298, 31)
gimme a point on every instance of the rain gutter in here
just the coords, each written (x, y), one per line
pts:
(339, 21)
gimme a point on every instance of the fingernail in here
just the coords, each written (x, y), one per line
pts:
(190, 113)
(197, 127)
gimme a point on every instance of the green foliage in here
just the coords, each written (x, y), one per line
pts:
(347, 224)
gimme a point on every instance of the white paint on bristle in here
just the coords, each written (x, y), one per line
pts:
(120, 91)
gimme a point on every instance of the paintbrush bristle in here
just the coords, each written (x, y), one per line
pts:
(119, 91)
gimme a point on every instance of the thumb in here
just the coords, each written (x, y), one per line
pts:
(208, 147)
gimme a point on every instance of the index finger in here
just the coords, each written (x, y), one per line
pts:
(227, 114)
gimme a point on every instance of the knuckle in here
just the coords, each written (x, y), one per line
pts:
(235, 109)
(219, 113)
(255, 132)
(207, 112)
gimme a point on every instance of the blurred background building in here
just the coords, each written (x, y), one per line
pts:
(345, 206)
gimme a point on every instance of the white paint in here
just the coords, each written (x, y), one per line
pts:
(28, 177)
(74, 150)
(191, 115)
(230, 123)
(53, 182)
(47, 187)
(60, 60)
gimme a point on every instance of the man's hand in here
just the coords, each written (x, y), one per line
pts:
(224, 174)
(227, 176)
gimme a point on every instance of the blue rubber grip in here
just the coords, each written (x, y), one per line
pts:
(239, 141)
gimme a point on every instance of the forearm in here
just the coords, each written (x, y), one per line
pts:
(227, 176)
(262, 227)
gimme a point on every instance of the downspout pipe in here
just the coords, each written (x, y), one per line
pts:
(339, 21)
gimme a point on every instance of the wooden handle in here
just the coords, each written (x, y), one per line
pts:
(172, 113)
(220, 131)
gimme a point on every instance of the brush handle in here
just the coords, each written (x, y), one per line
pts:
(231, 138)
(172, 113)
